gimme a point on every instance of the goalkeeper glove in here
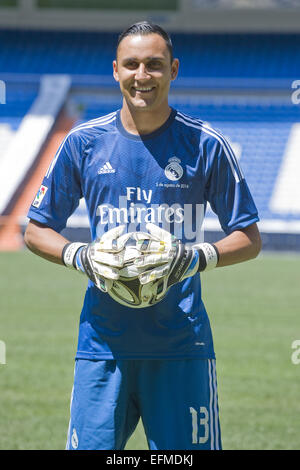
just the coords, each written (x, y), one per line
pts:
(174, 260)
(100, 260)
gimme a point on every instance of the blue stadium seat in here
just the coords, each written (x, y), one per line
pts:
(19, 98)
(227, 56)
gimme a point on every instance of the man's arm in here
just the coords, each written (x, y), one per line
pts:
(240, 245)
(44, 241)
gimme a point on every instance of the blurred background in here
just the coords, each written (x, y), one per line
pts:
(240, 72)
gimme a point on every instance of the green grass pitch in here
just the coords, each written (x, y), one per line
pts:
(255, 317)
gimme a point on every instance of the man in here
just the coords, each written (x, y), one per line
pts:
(145, 163)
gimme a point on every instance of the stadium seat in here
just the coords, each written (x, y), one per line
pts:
(222, 56)
(18, 101)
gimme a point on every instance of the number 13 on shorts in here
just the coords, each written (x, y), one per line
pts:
(205, 428)
(197, 436)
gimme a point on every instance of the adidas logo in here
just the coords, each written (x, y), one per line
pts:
(107, 168)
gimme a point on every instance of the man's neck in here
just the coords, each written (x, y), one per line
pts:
(140, 122)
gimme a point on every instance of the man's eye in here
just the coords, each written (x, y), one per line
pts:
(131, 65)
(154, 65)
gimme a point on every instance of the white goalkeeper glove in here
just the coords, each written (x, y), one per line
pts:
(174, 260)
(100, 260)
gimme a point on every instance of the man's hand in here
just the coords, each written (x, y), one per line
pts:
(175, 260)
(100, 260)
(111, 257)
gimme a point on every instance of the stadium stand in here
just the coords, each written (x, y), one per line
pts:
(266, 58)
(33, 130)
(33, 118)
(18, 102)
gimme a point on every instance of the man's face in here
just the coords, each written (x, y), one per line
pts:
(144, 71)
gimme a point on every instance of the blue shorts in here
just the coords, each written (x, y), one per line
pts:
(176, 400)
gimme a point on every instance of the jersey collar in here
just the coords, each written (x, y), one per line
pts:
(142, 137)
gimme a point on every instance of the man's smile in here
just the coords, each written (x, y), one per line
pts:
(143, 89)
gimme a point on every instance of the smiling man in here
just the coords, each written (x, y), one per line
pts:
(147, 172)
(144, 69)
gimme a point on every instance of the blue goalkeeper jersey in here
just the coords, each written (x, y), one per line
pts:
(166, 177)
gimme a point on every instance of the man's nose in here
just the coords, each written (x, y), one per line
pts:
(141, 72)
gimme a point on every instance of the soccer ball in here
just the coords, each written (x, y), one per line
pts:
(128, 290)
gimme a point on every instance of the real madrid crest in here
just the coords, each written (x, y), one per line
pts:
(174, 170)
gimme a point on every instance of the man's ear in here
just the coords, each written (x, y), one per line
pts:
(174, 69)
(115, 71)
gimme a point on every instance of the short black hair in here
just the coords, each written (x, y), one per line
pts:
(144, 28)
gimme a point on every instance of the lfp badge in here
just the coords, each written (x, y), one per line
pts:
(40, 196)
(174, 170)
